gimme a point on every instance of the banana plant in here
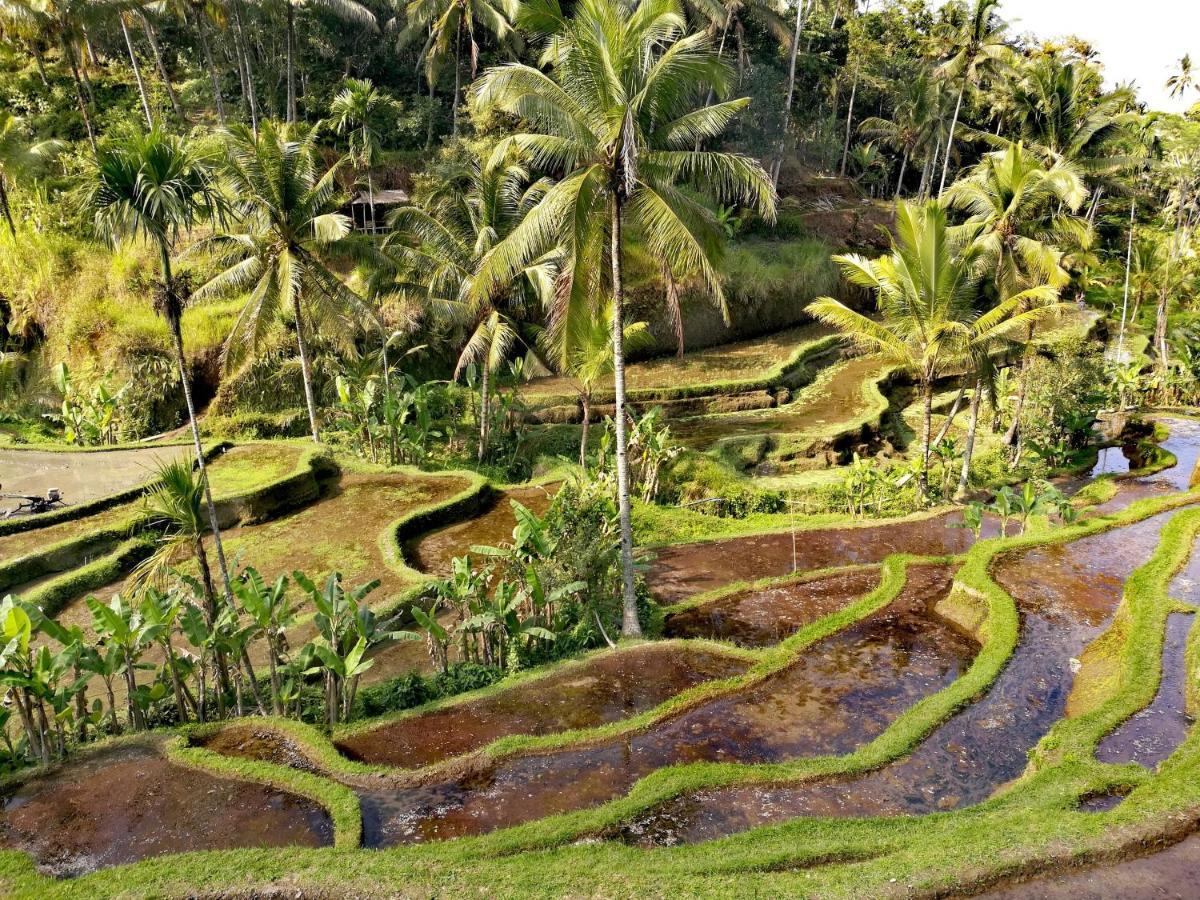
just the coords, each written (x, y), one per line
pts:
(272, 615)
(122, 627)
(161, 611)
(16, 673)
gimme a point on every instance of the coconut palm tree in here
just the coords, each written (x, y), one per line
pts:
(356, 112)
(616, 116)
(450, 27)
(1063, 116)
(437, 250)
(1015, 202)
(978, 48)
(290, 230)
(1183, 80)
(156, 186)
(19, 159)
(925, 291)
(912, 130)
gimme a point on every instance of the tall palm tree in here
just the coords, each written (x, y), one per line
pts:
(157, 186)
(1183, 80)
(616, 117)
(1016, 203)
(450, 27)
(1063, 116)
(19, 160)
(438, 249)
(925, 290)
(912, 129)
(356, 112)
(978, 48)
(290, 230)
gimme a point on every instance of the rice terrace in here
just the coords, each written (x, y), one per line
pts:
(599, 448)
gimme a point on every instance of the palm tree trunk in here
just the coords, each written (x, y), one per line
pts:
(950, 140)
(4, 207)
(305, 372)
(160, 65)
(791, 92)
(137, 70)
(69, 53)
(630, 626)
(849, 125)
(291, 61)
(1160, 329)
(36, 50)
(969, 448)
(900, 180)
(457, 78)
(926, 428)
(251, 97)
(1010, 436)
(944, 430)
(202, 29)
(586, 400)
(371, 197)
(429, 124)
(484, 417)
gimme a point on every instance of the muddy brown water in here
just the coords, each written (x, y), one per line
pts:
(127, 804)
(684, 570)
(612, 687)
(843, 691)
(435, 552)
(81, 476)
(260, 744)
(759, 617)
(818, 410)
(1066, 595)
(1153, 733)
(1170, 874)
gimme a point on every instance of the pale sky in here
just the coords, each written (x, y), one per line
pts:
(1138, 40)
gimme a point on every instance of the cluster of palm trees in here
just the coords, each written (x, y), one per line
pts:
(615, 128)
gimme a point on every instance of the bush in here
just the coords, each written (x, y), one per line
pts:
(413, 689)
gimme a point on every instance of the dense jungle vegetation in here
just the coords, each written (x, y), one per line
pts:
(692, 269)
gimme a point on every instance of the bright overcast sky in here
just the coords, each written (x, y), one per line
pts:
(1138, 40)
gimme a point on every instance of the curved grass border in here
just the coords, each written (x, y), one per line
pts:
(911, 855)
(804, 353)
(338, 800)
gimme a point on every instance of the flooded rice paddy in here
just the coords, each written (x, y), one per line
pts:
(604, 689)
(683, 570)
(840, 693)
(1066, 595)
(121, 805)
(1170, 874)
(81, 475)
(1153, 733)
(435, 552)
(759, 617)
